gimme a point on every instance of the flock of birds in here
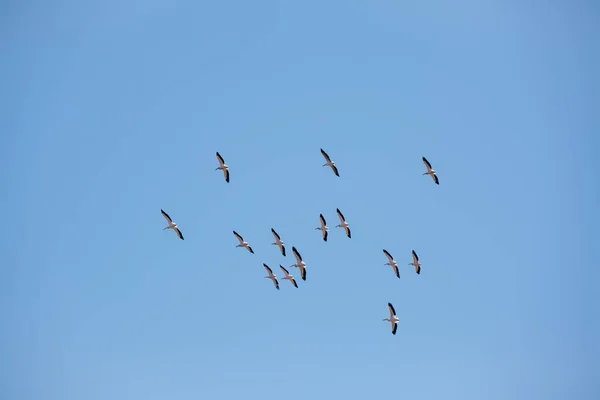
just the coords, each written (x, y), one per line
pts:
(300, 264)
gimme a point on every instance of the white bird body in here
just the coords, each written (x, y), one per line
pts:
(172, 225)
(278, 242)
(392, 318)
(330, 163)
(299, 263)
(223, 167)
(343, 223)
(271, 276)
(416, 263)
(391, 262)
(243, 243)
(288, 277)
(323, 228)
(430, 171)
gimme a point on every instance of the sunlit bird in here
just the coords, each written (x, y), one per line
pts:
(430, 171)
(330, 163)
(224, 167)
(391, 262)
(271, 276)
(343, 223)
(299, 263)
(323, 228)
(288, 277)
(415, 262)
(242, 242)
(278, 242)
(393, 319)
(172, 225)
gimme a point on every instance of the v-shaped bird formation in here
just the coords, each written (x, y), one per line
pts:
(300, 264)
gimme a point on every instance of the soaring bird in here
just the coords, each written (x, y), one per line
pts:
(430, 171)
(393, 319)
(299, 263)
(278, 242)
(330, 163)
(172, 225)
(224, 167)
(391, 262)
(343, 223)
(242, 242)
(288, 277)
(271, 276)
(415, 262)
(323, 228)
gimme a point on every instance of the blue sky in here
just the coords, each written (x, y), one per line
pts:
(114, 110)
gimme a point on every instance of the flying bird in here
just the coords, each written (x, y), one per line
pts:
(299, 263)
(323, 228)
(172, 225)
(242, 242)
(330, 163)
(224, 167)
(288, 277)
(343, 223)
(430, 171)
(416, 262)
(272, 276)
(393, 319)
(391, 262)
(278, 242)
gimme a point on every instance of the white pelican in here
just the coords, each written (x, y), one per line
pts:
(224, 167)
(323, 228)
(391, 262)
(343, 224)
(288, 276)
(330, 163)
(393, 319)
(272, 276)
(416, 262)
(430, 171)
(243, 243)
(278, 242)
(172, 225)
(299, 263)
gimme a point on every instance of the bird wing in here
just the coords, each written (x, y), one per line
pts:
(427, 164)
(250, 249)
(323, 222)
(435, 179)
(325, 235)
(297, 255)
(226, 173)
(388, 255)
(275, 234)
(348, 232)
(392, 311)
(179, 233)
(335, 170)
(276, 283)
(418, 269)
(342, 219)
(285, 271)
(268, 269)
(221, 161)
(294, 282)
(415, 257)
(166, 216)
(394, 326)
(283, 250)
(396, 271)
(325, 155)
(241, 239)
(303, 272)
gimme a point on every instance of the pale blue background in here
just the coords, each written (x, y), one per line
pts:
(112, 110)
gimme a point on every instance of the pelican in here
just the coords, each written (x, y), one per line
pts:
(416, 262)
(224, 167)
(299, 263)
(243, 243)
(430, 171)
(288, 277)
(343, 224)
(393, 319)
(323, 228)
(272, 276)
(278, 242)
(330, 163)
(172, 225)
(391, 262)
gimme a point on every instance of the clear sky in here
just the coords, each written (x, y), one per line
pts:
(113, 110)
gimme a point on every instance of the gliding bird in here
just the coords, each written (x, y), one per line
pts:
(430, 171)
(343, 224)
(323, 228)
(278, 242)
(224, 167)
(392, 262)
(288, 277)
(172, 225)
(416, 262)
(330, 163)
(271, 276)
(299, 263)
(242, 242)
(393, 319)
